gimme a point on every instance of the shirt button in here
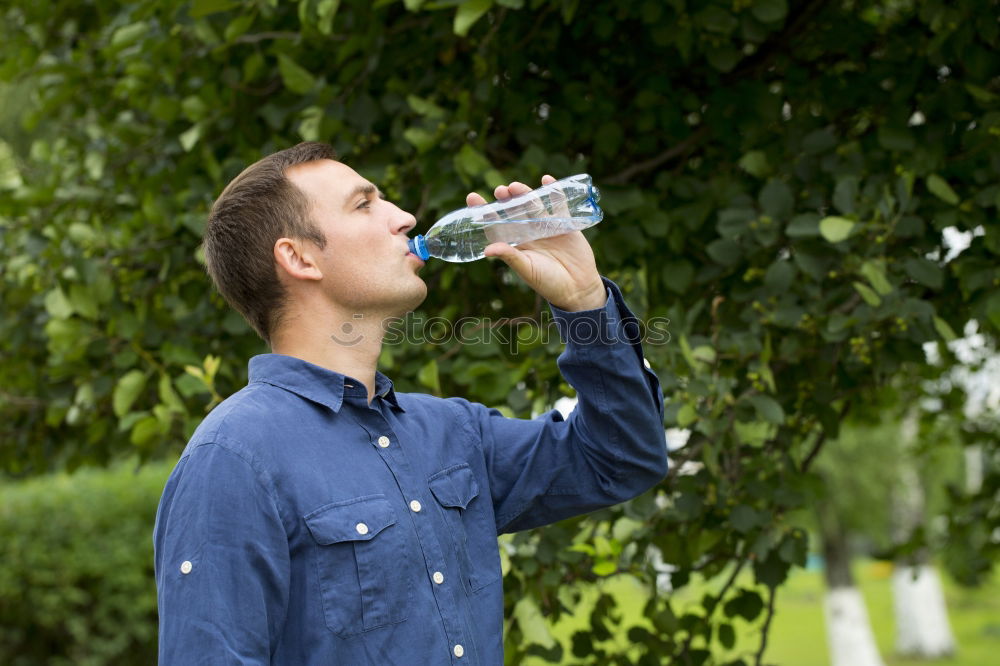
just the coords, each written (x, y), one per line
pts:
(458, 650)
(361, 528)
(415, 506)
(186, 567)
(383, 441)
(438, 577)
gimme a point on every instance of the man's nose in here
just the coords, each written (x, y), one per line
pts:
(402, 221)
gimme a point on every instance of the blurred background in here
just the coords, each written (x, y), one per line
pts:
(805, 192)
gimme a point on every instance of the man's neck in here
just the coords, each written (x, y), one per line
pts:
(347, 343)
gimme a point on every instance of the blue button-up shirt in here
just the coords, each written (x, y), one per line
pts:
(303, 525)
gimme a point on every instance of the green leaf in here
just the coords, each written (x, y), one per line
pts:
(421, 139)
(777, 200)
(237, 27)
(716, 19)
(845, 194)
(190, 137)
(723, 58)
(747, 604)
(145, 430)
(779, 276)
(981, 94)
(129, 34)
(428, 376)
(686, 416)
(727, 636)
(874, 272)
(868, 294)
(771, 571)
(925, 271)
(769, 11)
(168, 396)
(768, 408)
(312, 123)
(940, 188)
(656, 224)
(755, 163)
(744, 518)
(617, 201)
(296, 78)
(805, 225)
(57, 304)
(724, 251)
(944, 329)
(326, 10)
(688, 355)
(818, 141)
(471, 163)
(200, 8)
(704, 353)
(532, 623)
(425, 107)
(835, 229)
(605, 568)
(794, 548)
(468, 13)
(83, 301)
(897, 139)
(677, 275)
(126, 391)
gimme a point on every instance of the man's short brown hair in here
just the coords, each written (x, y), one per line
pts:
(256, 209)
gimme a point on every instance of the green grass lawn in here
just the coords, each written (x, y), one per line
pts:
(798, 635)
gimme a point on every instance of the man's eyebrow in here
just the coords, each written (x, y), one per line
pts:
(365, 189)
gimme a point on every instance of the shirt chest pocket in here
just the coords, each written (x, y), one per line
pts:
(471, 526)
(360, 564)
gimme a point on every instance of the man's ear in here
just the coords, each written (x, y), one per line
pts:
(297, 259)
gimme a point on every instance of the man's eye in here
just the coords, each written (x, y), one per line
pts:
(365, 204)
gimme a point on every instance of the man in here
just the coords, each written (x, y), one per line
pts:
(318, 517)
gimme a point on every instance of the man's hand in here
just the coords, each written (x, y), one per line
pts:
(561, 268)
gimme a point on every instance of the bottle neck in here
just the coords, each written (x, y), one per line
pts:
(418, 246)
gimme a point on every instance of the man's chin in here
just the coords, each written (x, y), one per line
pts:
(410, 299)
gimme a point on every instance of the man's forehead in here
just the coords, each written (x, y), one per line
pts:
(328, 182)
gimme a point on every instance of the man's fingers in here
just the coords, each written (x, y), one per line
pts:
(516, 188)
(502, 192)
(509, 255)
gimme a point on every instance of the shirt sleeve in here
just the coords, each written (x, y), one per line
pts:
(611, 448)
(221, 561)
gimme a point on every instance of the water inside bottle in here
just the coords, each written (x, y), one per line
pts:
(557, 208)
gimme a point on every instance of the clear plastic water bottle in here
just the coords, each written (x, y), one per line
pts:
(462, 235)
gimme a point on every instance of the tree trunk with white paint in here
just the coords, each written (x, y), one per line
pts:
(922, 627)
(849, 633)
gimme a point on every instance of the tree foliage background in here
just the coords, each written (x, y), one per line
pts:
(776, 176)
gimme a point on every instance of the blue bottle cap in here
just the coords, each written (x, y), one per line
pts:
(419, 247)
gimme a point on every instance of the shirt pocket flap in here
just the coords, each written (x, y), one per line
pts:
(454, 487)
(355, 520)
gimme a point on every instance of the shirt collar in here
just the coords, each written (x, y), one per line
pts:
(313, 382)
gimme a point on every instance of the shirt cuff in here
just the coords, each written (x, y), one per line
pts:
(609, 325)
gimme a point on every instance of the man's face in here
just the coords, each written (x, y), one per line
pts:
(367, 266)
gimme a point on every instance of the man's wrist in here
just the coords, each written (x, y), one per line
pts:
(590, 299)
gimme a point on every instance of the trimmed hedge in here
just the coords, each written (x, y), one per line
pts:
(76, 568)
